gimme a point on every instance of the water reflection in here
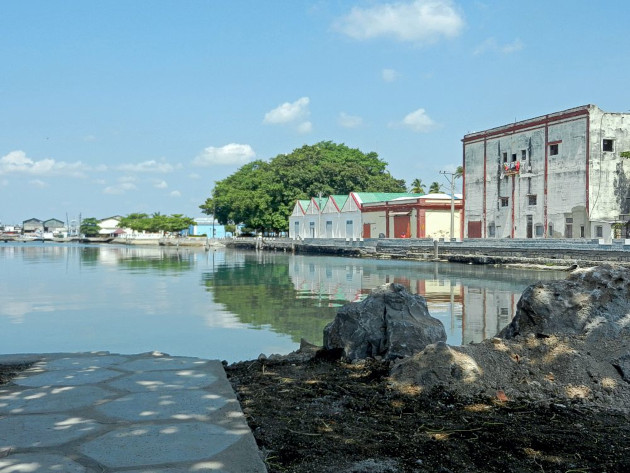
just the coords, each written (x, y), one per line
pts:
(298, 294)
(222, 304)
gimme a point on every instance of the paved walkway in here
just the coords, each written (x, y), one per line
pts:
(102, 413)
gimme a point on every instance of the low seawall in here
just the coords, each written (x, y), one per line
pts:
(471, 251)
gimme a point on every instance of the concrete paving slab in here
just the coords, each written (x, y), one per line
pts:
(67, 377)
(147, 413)
(162, 363)
(81, 363)
(50, 399)
(157, 444)
(164, 380)
(40, 463)
(186, 405)
(43, 430)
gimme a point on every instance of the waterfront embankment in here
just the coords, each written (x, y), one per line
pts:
(548, 252)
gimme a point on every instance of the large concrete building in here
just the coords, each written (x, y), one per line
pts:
(556, 176)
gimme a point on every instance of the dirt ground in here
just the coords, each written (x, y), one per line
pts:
(319, 415)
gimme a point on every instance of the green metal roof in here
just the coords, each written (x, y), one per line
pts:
(370, 197)
(304, 204)
(340, 200)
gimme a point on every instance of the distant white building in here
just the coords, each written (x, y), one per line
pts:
(559, 175)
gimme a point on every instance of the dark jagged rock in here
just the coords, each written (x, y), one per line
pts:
(390, 323)
(593, 302)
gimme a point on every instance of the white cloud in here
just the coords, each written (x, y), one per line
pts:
(194, 175)
(305, 127)
(160, 184)
(389, 75)
(419, 121)
(491, 45)
(230, 154)
(18, 162)
(288, 112)
(125, 184)
(512, 47)
(147, 166)
(418, 21)
(291, 113)
(38, 183)
(175, 194)
(349, 121)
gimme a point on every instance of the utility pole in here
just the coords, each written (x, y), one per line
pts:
(451, 181)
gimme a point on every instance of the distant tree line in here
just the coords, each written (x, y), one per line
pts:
(156, 223)
(139, 222)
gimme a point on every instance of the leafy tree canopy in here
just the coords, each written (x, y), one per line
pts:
(156, 222)
(262, 194)
(89, 227)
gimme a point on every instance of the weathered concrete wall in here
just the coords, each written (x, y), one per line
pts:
(588, 186)
(609, 185)
(524, 191)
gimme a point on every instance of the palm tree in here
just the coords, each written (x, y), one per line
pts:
(417, 187)
(435, 188)
(459, 172)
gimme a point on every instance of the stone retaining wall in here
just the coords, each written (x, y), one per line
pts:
(477, 251)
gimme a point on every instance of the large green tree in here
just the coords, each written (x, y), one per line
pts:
(89, 227)
(262, 194)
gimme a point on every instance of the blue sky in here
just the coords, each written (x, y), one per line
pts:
(112, 107)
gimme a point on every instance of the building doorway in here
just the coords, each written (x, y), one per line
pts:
(367, 230)
(402, 226)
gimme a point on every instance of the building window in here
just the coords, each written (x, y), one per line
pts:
(513, 157)
(523, 155)
(581, 231)
(599, 231)
(491, 231)
(607, 145)
(505, 201)
(539, 230)
(505, 157)
(531, 199)
(568, 228)
(553, 149)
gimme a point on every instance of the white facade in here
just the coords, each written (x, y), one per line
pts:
(555, 176)
(375, 215)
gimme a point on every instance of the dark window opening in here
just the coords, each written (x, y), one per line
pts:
(505, 157)
(607, 145)
(505, 201)
(531, 199)
(553, 150)
(523, 155)
(599, 231)
(513, 157)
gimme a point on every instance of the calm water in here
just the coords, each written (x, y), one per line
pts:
(222, 304)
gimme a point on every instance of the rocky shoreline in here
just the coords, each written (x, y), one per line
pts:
(551, 392)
